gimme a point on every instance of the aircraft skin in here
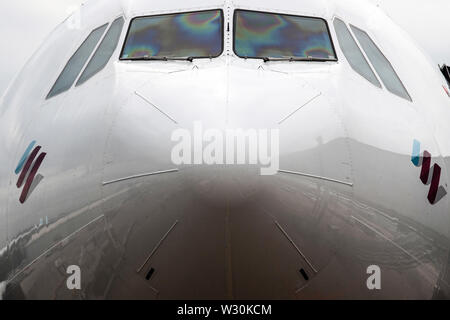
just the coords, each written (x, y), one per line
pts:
(106, 196)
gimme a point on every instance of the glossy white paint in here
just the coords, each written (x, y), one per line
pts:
(119, 123)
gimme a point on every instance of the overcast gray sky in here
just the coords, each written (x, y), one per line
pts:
(25, 24)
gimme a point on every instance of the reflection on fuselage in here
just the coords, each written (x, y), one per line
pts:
(110, 200)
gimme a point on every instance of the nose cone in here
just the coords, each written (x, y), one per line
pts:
(224, 230)
(311, 133)
(224, 186)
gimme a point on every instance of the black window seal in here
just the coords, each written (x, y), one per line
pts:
(446, 72)
(284, 14)
(222, 19)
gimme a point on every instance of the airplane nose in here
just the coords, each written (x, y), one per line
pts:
(223, 230)
(145, 130)
(224, 186)
(217, 232)
(140, 139)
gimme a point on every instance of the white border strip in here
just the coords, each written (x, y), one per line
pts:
(350, 184)
(140, 176)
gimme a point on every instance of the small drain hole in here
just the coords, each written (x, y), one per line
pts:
(304, 274)
(150, 274)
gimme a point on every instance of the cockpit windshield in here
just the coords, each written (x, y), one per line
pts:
(271, 36)
(175, 36)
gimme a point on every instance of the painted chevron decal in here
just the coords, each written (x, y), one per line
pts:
(436, 192)
(28, 167)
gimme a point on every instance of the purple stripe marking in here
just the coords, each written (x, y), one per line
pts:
(426, 164)
(30, 178)
(434, 184)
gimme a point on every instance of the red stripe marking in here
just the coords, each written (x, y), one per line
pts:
(30, 178)
(27, 166)
(426, 164)
(434, 184)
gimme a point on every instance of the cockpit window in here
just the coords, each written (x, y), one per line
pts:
(278, 36)
(183, 35)
(381, 64)
(76, 63)
(104, 51)
(352, 52)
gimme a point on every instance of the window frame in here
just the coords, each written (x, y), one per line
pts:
(101, 41)
(222, 18)
(363, 53)
(85, 39)
(352, 26)
(336, 59)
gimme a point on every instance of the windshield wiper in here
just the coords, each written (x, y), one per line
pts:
(267, 59)
(161, 58)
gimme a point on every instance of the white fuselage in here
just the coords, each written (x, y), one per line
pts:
(110, 199)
